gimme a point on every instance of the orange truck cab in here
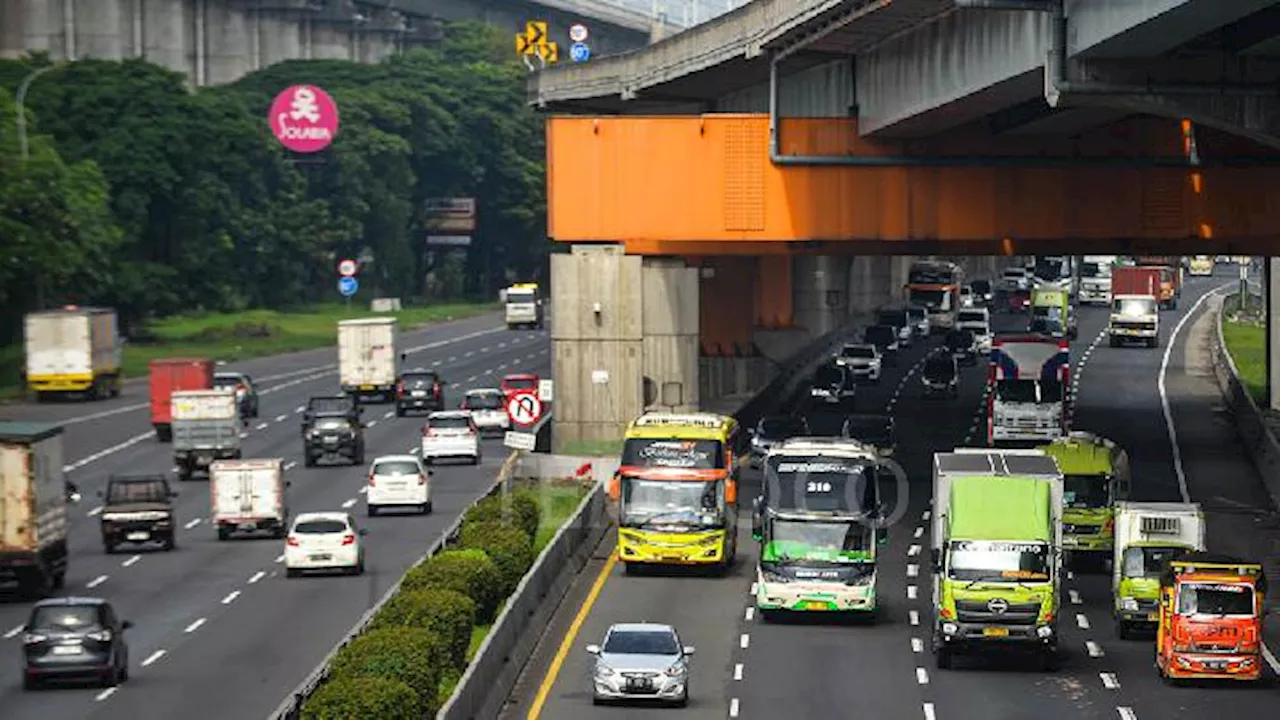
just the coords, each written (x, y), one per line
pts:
(1211, 618)
(1170, 278)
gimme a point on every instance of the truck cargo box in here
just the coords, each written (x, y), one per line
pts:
(75, 349)
(33, 507)
(248, 495)
(367, 363)
(1135, 281)
(205, 420)
(170, 375)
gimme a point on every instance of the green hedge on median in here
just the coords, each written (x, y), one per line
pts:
(448, 614)
(412, 656)
(510, 548)
(363, 697)
(469, 572)
(520, 508)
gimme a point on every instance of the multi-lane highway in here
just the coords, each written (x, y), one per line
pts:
(746, 668)
(218, 630)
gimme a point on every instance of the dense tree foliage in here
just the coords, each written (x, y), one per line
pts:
(142, 194)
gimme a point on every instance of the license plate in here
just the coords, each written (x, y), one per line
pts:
(1215, 665)
(1153, 617)
(419, 393)
(815, 605)
(67, 650)
(330, 441)
(366, 387)
(248, 526)
(639, 684)
(995, 632)
(321, 557)
(138, 536)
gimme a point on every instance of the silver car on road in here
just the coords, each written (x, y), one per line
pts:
(641, 661)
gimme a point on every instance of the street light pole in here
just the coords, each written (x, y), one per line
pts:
(22, 115)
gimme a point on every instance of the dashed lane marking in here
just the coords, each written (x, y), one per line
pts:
(364, 490)
(737, 671)
(95, 512)
(744, 640)
(96, 581)
(281, 418)
(194, 626)
(129, 562)
(107, 451)
(1127, 713)
(1081, 621)
(929, 713)
(279, 558)
(917, 645)
(291, 465)
(752, 591)
(924, 515)
(257, 576)
(913, 570)
(260, 426)
(751, 612)
(153, 657)
(192, 523)
(388, 414)
(912, 591)
(231, 597)
(1109, 681)
(1075, 597)
(734, 708)
(105, 694)
(919, 531)
(914, 616)
(913, 551)
(922, 676)
(1094, 649)
(300, 408)
(13, 633)
(372, 423)
(348, 503)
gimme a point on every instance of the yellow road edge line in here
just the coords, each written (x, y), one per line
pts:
(553, 671)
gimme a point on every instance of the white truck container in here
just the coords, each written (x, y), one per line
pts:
(367, 364)
(33, 509)
(249, 496)
(73, 350)
(1148, 535)
(206, 427)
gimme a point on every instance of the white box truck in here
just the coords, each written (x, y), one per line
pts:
(1148, 536)
(33, 509)
(367, 364)
(206, 427)
(249, 496)
(75, 350)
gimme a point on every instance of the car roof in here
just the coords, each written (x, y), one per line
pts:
(70, 601)
(520, 376)
(326, 515)
(448, 414)
(861, 345)
(641, 627)
(395, 458)
(419, 371)
(230, 374)
(484, 391)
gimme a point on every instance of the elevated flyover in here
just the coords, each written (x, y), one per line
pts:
(793, 132)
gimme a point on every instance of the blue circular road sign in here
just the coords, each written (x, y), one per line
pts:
(348, 286)
(580, 52)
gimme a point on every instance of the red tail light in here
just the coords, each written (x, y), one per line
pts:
(348, 539)
(422, 479)
(428, 431)
(436, 389)
(400, 388)
(372, 483)
(293, 541)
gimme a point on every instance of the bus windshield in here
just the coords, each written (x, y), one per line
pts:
(671, 502)
(673, 453)
(931, 299)
(1221, 599)
(995, 561)
(834, 541)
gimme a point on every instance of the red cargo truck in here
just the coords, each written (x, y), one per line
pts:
(169, 375)
(1136, 281)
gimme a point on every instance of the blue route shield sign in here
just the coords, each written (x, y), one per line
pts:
(348, 286)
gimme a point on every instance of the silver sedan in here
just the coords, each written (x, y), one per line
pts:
(643, 662)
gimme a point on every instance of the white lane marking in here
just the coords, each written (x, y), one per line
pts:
(13, 633)
(300, 408)
(1081, 621)
(753, 589)
(751, 612)
(153, 657)
(915, 616)
(922, 676)
(744, 641)
(279, 558)
(192, 523)
(1109, 681)
(257, 576)
(911, 592)
(1071, 575)
(364, 489)
(737, 671)
(95, 512)
(131, 561)
(1095, 650)
(105, 694)
(96, 581)
(928, 712)
(231, 597)
(371, 423)
(924, 515)
(244, 435)
(1075, 597)
(917, 645)
(291, 465)
(913, 551)
(194, 626)
(281, 418)
(1127, 713)
(260, 426)
(471, 379)
(349, 503)
(470, 353)
(1271, 659)
(107, 451)
(913, 570)
(919, 532)
(452, 358)
(733, 708)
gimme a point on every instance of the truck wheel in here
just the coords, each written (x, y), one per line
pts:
(1153, 342)
(399, 411)
(291, 573)
(1114, 342)
(942, 658)
(59, 579)
(169, 544)
(371, 510)
(1049, 661)
(308, 460)
(164, 435)
(223, 533)
(109, 548)
(427, 508)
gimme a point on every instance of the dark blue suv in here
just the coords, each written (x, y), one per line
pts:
(74, 638)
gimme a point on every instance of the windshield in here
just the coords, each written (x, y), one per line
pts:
(138, 491)
(1220, 599)
(819, 484)
(825, 540)
(319, 527)
(65, 619)
(1147, 562)
(932, 299)
(781, 428)
(968, 316)
(484, 401)
(662, 502)
(520, 296)
(1048, 312)
(828, 377)
(1133, 307)
(858, 351)
(449, 423)
(332, 423)
(982, 287)
(959, 339)
(1049, 268)
(395, 467)
(1029, 391)
(419, 380)
(940, 368)
(1086, 492)
(996, 561)
(917, 314)
(673, 453)
(880, 335)
(641, 642)
(524, 383)
(227, 381)
(1095, 270)
(894, 318)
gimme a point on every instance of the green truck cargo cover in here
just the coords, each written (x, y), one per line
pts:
(995, 508)
(1080, 458)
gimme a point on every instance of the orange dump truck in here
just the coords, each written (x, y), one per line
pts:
(1211, 617)
(1170, 277)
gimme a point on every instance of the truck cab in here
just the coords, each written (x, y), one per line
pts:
(523, 306)
(1095, 476)
(1134, 318)
(137, 509)
(1055, 304)
(1147, 536)
(1212, 611)
(1028, 377)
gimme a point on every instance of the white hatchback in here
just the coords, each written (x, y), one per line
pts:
(488, 409)
(324, 541)
(450, 434)
(398, 481)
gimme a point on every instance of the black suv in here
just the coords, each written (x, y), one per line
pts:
(419, 390)
(963, 346)
(331, 427)
(246, 391)
(74, 638)
(137, 509)
(885, 338)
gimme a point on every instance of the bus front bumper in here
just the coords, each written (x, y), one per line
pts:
(697, 548)
(815, 597)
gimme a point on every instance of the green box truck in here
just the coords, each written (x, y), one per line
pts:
(996, 553)
(1096, 476)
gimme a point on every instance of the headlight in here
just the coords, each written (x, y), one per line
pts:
(33, 638)
(774, 577)
(100, 636)
(950, 628)
(604, 671)
(677, 670)
(1128, 603)
(1044, 631)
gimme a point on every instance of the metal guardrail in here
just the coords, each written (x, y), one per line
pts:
(291, 708)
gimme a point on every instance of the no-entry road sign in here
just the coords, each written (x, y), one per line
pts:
(347, 267)
(524, 408)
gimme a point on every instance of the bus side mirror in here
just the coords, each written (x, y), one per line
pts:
(935, 559)
(757, 529)
(884, 538)
(615, 486)
(404, 357)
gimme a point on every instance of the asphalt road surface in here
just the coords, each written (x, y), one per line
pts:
(811, 668)
(219, 631)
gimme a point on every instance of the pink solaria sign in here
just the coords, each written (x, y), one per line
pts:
(304, 119)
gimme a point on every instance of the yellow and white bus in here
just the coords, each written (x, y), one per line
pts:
(1200, 265)
(677, 490)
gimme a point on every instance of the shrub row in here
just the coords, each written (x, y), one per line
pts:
(416, 646)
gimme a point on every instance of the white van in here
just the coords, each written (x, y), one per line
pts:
(977, 321)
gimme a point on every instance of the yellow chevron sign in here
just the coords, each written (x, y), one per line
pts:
(534, 41)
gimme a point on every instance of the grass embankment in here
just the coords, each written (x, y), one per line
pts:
(1244, 332)
(241, 336)
(592, 448)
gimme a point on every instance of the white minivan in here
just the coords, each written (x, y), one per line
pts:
(450, 434)
(398, 481)
(977, 321)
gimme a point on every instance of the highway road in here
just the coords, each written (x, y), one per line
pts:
(219, 631)
(746, 668)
